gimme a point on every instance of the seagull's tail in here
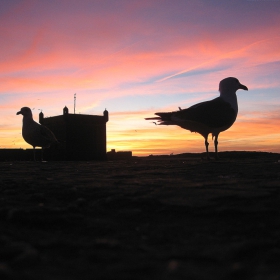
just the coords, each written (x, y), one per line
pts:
(154, 118)
(164, 116)
(163, 119)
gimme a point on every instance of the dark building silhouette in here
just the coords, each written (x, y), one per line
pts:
(113, 155)
(81, 137)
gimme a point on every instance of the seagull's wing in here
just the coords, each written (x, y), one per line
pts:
(47, 134)
(213, 113)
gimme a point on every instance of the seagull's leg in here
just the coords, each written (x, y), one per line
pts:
(216, 146)
(206, 146)
(42, 153)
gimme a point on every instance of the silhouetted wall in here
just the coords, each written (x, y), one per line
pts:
(113, 155)
(19, 154)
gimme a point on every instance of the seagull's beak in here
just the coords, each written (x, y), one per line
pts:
(242, 87)
(19, 112)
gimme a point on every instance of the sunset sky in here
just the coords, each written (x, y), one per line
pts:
(135, 58)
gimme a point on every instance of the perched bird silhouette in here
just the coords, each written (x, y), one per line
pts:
(35, 134)
(207, 117)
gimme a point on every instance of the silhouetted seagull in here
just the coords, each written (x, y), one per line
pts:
(35, 134)
(212, 116)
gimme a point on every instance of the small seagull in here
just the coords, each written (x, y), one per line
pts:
(35, 134)
(207, 117)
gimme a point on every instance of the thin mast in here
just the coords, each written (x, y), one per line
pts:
(74, 103)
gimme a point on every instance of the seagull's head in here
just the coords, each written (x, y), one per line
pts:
(230, 85)
(25, 111)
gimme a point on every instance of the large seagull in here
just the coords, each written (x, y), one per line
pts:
(35, 134)
(207, 117)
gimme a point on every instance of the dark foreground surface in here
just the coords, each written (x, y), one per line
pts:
(148, 218)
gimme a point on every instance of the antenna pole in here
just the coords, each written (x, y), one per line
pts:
(74, 103)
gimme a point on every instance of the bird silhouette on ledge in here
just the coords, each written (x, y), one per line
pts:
(207, 117)
(35, 134)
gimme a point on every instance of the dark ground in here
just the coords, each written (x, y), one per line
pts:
(176, 217)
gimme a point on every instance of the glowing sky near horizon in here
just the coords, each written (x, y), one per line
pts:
(135, 58)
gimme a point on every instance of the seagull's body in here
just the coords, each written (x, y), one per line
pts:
(207, 117)
(33, 133)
